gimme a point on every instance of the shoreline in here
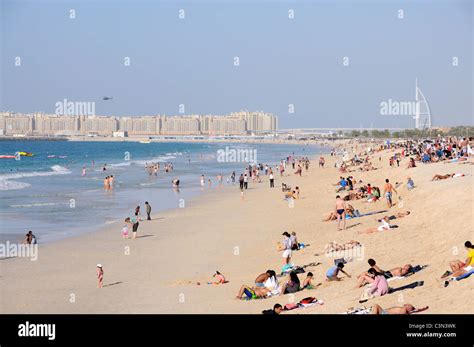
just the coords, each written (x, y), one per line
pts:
(181, 247)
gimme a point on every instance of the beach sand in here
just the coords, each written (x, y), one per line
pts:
(158, 272)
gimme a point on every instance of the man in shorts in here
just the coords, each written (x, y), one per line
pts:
(388, 190)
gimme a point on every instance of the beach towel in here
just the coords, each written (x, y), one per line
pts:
(304, 303)
(358, 310)
(466, 275)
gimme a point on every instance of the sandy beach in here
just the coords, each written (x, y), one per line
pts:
(158, 272)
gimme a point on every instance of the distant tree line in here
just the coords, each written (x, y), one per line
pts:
(465, 131)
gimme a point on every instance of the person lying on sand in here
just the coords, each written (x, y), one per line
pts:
(384, 226)
(398, 215)
(331, 274)
(405, 309)
(442, 177)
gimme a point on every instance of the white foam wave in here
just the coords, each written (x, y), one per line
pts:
(36, 205)
(6, 182)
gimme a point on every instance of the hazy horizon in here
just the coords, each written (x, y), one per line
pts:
(282, 61)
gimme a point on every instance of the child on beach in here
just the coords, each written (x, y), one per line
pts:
(100, 275)
(307, 283)
(125, 229)
(220, 279)
(332, 273)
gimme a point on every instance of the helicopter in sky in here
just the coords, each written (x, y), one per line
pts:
(105, 98)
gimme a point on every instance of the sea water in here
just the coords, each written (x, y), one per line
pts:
(48, 194)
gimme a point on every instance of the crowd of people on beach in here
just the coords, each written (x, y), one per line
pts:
(375, 281)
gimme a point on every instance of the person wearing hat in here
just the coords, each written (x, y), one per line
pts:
(100, 275)
(286, 248)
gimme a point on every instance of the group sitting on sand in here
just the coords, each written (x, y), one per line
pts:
(266, 285)
(365, 278)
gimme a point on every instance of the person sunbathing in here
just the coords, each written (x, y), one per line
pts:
(398, 215)
(442, 177)
(384, 226)
(405, 309)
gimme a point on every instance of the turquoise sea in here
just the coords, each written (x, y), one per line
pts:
(48, 194)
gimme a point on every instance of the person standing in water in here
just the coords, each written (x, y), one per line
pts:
(83, 171)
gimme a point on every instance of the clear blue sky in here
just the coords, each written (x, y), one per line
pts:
(282, 61)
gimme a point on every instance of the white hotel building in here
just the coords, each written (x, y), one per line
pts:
(41, 124)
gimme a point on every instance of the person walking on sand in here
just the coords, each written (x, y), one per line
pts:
(100, 275)
(340, 210)
(388, 190)
(135, 223)
(272, 180)
(148, 210)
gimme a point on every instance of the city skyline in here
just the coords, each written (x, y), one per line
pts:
(312, 63)
(41, 124)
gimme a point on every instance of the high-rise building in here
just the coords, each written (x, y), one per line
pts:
(180, 125)
(52, 124)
